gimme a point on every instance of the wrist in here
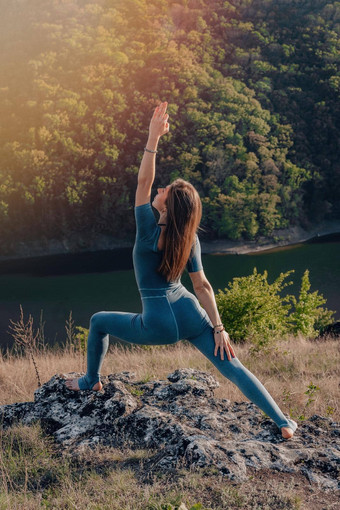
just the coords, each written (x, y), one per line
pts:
(152, 142)
(218, 324)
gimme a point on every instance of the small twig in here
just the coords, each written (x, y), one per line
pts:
(70, 334)
(24, 336)
(41, 333)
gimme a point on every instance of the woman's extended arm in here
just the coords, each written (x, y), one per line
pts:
(146, 175)
(205, 295)
(147, 167)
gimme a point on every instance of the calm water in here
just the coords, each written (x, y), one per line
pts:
(86, 283)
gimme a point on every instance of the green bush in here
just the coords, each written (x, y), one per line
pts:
(309, 317)
(253, 309)
(77, 338)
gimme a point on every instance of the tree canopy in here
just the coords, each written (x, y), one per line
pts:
(253, 93)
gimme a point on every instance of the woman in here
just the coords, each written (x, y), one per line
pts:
(170, 312)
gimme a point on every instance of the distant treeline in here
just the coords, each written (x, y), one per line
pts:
(253, 91)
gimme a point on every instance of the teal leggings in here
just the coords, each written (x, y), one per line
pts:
(167, 317)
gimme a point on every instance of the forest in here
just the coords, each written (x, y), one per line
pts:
(253, 92)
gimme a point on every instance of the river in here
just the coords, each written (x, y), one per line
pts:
(50, 287)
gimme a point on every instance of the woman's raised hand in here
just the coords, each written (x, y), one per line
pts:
(222, 342)
(159, 123)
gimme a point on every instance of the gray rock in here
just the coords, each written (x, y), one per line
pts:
(184, 423)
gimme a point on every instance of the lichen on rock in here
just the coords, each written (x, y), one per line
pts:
(182, 421)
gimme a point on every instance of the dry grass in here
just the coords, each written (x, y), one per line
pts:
(286, 371)
(36, 473)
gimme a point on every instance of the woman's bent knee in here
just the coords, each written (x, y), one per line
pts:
(96, 319)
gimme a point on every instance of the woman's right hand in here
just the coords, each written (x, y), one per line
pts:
(159, 123)
(222, 342)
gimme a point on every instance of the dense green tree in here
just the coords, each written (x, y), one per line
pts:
(253, 92)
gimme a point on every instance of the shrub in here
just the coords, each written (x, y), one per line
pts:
(309, 316)
(252, 309)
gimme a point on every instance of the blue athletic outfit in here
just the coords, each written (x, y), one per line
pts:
(170, 313)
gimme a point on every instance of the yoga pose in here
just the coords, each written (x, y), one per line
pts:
(170, 312)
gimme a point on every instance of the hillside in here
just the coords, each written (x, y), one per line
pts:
(253, 92)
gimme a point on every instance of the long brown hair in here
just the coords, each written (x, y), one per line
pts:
(184, 213)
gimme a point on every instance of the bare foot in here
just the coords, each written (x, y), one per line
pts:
(287, 432)
(72, 384)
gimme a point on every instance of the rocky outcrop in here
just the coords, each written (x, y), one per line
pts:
(181, 423)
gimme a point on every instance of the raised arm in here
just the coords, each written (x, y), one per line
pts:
(205, 295)
(158, 126)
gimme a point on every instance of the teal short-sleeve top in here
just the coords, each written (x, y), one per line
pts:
(147, 257)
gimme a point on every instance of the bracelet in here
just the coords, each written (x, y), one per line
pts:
(217, 325)
(148, 150)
